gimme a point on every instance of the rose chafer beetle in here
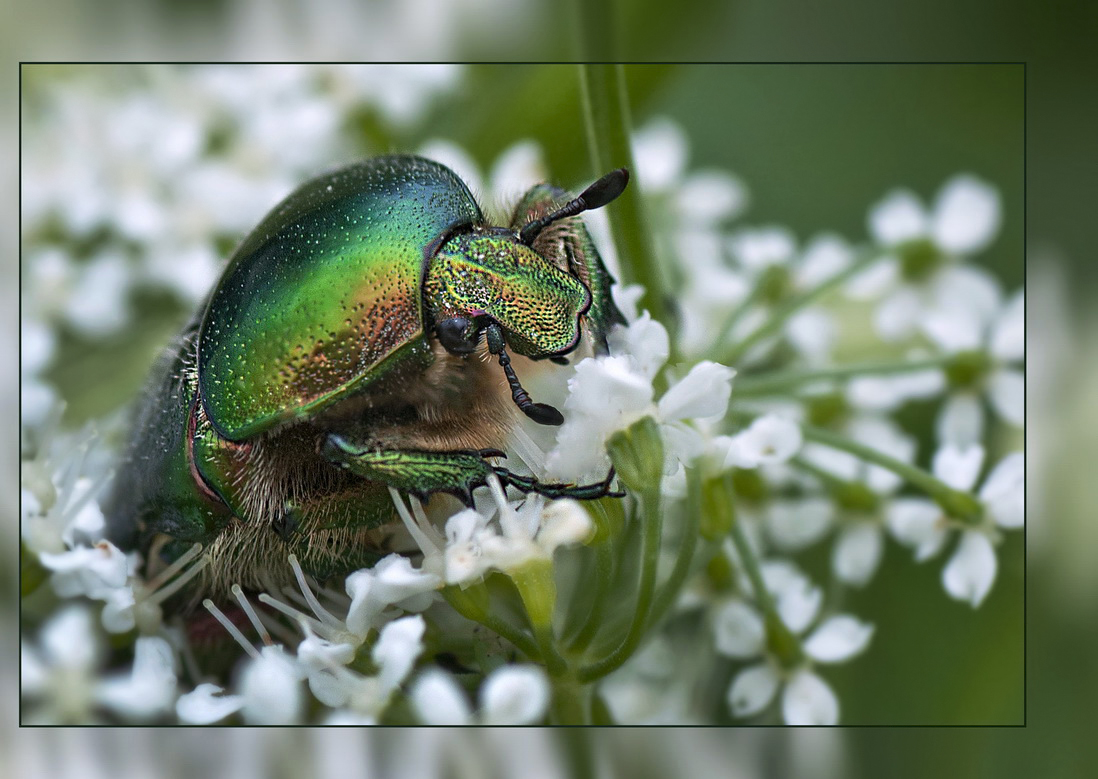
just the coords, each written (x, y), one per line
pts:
(357, 341)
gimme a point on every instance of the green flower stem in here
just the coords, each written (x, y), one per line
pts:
(785, 312)
(571, 701)
(469, 608)
(784, 381)
(650, 551)
(604, 574)
(959, 504)
(673, 586)
(538, 590)
(780, 639)
(606, 115)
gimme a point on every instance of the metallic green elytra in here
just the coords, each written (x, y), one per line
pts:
(359, 339)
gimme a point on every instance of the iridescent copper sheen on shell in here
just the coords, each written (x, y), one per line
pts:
(325, 293)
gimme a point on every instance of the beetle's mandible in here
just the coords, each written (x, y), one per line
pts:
(358, 340)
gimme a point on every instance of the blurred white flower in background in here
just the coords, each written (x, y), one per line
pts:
(144, 179)
(925, 268)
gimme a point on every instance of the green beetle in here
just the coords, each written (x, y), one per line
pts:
(345, 351)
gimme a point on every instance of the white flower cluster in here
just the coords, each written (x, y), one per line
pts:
(770, 444)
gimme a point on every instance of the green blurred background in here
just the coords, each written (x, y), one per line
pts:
(817, 145)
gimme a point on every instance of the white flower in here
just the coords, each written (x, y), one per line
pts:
(741, 633)
(89, 571)
(510, 695)
(920, 523)
(149, 689)
(391, 582)
(207, 704)
(923, 271)
(608, 394)
(1001, 342)
(271, 688)
(769, 439)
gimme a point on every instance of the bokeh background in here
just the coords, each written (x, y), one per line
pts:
(816, 145)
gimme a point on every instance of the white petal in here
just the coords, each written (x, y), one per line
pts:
(898, 314)
(795, 524)
(150, 689)
(1008, 336)
(739, 630)
(69, 640)
(518, 168)
(838, 639)
(971, 571)
(969, 288)
(1003, 493)
(703, 392)
(875, 280)
(610, 390)
(438, 700)
(884, 435)
(760, 248)
(710, 196)
(899, 217)
(752, 690)
(563, 523)
(961, 420)
(769, 439)
(1006, 390)
(842, 464)
(812, 333)
(798, 603)
(953, 329)
(514, 695)
(824, 257)
(958, 466)
(660, 150)
(644, 342)
(857, 553)
(271, 688)
(397, 649)
(917, 522)
(966, 215)
(808, 700)
(206, 704)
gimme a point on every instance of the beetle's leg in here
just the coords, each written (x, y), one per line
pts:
(542, 413)
(412, 472)
(559, 490)
(457, 473)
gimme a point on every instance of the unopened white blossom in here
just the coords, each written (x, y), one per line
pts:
(510, 695)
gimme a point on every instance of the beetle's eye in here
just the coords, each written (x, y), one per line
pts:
(458, 335)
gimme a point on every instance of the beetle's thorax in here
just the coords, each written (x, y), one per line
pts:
(489, 273)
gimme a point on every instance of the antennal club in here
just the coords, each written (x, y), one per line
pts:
(597, 195)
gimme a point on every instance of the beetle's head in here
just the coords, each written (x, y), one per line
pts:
(493, 280)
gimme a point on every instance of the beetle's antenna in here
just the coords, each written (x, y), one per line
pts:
(597, 195)
(542, 413)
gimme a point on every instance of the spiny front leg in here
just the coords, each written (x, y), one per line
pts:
(457, 473)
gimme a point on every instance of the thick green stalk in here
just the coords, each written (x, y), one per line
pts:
(467, 608)
(604, 572)
(650, 551)
(606, 114)
(688, 544)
